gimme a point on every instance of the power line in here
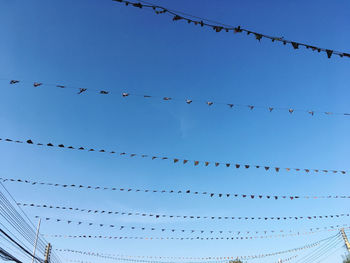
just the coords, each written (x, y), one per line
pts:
(15, 219)
(18, 245)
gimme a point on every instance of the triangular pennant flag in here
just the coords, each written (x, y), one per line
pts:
(37, 84)
(196, 162)
(258, 36)
(329, 53)
(177, 17)
(81, 90)
(295, 45)
(176, 160)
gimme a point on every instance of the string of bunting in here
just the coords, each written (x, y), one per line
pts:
(234, 232)
(220, 27)
(140, 259)
(187, 238)
(188, 101)
(116, 259)
(82, 261)
(206, 259)
(185, 192)
(287, 259)
(177, 160)
(156, 216)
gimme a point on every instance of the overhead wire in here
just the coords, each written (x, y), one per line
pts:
(25, 228)
(319, 249)
(21, 225)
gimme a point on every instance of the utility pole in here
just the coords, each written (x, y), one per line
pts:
(36, 239)
(347, 244)
(47, 253)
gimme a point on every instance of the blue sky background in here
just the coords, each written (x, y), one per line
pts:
(104, 45)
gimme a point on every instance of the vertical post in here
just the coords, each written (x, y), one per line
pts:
(47, 253)
(36, 239)
(347, 244)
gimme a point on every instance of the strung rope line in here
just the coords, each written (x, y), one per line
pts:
(156, 216)
(219, 27)
(186, 238)
(207, 259)
(188, 101)
(82, 261)
(191, 231)
(176, 160)
(185, 192)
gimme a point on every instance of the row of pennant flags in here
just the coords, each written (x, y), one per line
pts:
(189, 101)
(185, 192)
(156, 216)
(205, 259)
(83, 261)
(190, 231)
(220, 27)
(197, 238)
(177, 160)
(152, 259)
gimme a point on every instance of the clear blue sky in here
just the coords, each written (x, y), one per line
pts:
(104, 45)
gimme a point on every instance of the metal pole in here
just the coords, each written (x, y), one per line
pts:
(36, 239)
(345, 238)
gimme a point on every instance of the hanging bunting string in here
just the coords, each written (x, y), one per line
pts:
(82, 261)
(157, 216)
(287, 259)
(188, 101)
(177, 160)
(153, 259)
(191, 231)
(219, 27)
(188, 238)
(185, 192)
(203, 259)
